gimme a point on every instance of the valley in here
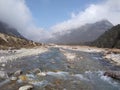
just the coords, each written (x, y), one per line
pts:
(59, 44)
(58, 67)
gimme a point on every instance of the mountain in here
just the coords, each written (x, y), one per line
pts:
(6, 29)
(85, 33)
(110, 39)
(11, 38)
(8, 41)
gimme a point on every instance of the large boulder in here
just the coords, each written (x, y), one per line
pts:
(113, 74)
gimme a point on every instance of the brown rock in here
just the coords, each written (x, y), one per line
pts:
(113, 74)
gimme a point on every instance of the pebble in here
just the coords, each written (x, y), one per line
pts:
(18, 73)
(41, 74)
(36, 71)
(13, 78)
(26, 87)
(23, 78)
(3, 65)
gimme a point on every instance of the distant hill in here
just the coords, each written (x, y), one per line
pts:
(6, 29)
(85, 33)
(7, 41)
(110, 39)
(11, 38)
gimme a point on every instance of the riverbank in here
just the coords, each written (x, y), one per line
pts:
(112, 55)
(10, 55)
(56, 68)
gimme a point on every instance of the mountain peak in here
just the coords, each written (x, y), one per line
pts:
(86, 33)
(104, 22)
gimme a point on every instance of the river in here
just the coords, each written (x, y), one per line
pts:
(84, 71)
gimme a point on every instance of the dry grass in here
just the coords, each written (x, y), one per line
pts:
(7, 41)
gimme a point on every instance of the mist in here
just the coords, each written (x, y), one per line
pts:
(17, 14)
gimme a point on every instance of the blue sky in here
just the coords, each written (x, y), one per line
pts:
(47, 13)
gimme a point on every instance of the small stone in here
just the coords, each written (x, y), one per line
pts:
(113, 74)
(27, 87)
(18, 73)
(3, 65)
(37, 70)
(23, 78)
(13, 78)
(41, 74)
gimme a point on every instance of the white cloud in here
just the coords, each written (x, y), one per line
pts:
(109, 9)
(17, 14)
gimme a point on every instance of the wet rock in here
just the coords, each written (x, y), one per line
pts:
(23, 78)
(113, 74)
(26, 87)
(3, 65)
(36, 71)
(18, 73)
(13, 78)
(3, 74)
(41, 74)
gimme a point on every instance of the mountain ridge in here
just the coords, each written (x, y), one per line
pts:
(11, 38)
(110, 39)
(86, 33)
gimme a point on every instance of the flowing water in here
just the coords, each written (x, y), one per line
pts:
(83, 72)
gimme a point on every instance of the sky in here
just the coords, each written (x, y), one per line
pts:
(38, 19)
(47, 13)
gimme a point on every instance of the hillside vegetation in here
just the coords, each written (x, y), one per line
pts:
(110, 39)
(11, 38)
(7, 41)
(86, 33)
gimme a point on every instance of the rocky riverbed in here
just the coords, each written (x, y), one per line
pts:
(57, 68)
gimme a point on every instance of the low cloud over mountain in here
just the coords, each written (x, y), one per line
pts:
(17, 14)
(85, 33)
